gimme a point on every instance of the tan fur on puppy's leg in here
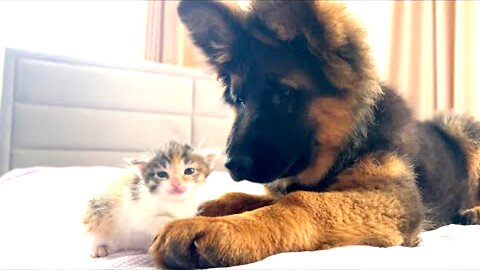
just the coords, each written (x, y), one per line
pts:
(300, 221)
(375, 203)
(470, 216)
(233, 203)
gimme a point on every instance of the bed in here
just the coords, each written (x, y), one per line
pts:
(66, 123)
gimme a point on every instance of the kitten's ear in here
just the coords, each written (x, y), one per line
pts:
(138, 163)
(187, 146)
(213, 26)
(210, 155)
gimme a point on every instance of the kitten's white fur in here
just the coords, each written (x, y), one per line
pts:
(135, 223)
(130, 224)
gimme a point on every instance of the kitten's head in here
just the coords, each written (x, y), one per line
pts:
(175, 170)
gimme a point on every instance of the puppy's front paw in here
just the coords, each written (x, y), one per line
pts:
(200, 242)
(214, 208)
(233, 203)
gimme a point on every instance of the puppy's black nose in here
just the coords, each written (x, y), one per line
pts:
(239, 167)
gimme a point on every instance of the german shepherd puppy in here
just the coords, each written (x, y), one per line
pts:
(340, 154)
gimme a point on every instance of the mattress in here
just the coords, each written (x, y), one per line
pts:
(40, 228)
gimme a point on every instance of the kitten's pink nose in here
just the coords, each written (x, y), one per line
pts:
(178, 189)
(175, 182)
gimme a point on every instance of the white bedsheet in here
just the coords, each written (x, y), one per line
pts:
(40, 228)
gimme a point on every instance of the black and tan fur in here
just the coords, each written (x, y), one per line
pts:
(343, 159)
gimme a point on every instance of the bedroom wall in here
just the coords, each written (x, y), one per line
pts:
(68, 112)
(101, 30)
(376, 16)
(2, 58)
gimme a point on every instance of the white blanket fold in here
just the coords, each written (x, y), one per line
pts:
(40, 228)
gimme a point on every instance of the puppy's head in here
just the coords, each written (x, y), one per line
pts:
(298, 83)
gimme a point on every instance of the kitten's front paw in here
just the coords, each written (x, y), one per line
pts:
(100, 251)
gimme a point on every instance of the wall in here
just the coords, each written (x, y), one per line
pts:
(110, 30)
(376, 16)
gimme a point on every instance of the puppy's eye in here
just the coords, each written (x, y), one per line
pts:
(286, 91)
(161, 174)
(189, 171)
(239, 100)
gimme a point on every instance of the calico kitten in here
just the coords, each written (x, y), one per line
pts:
(159, 188)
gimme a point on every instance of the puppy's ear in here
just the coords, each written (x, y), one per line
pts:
(327, 31)
(213, 26)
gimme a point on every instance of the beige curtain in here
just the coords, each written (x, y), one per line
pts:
(434, 55)
(166, 38)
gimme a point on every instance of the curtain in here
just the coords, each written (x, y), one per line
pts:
(434, 55)
(166, 38)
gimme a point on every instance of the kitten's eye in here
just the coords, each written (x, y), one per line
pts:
(162, 174)
(189, 171)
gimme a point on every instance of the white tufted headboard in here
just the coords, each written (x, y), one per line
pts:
(57, 111)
